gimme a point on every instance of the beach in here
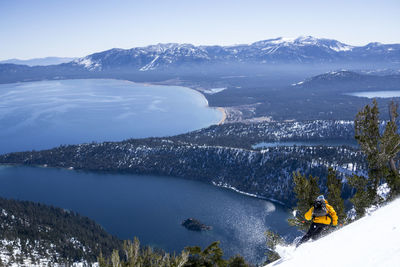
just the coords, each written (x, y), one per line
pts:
(223, 115)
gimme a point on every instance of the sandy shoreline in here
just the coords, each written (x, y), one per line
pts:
(223, 115)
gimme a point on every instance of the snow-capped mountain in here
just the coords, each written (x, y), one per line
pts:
(370, 241)
(272, 51)
(38, 61)
(145, 58)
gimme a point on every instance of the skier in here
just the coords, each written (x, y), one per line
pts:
(323, 215)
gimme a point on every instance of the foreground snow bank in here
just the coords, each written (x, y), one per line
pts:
(371, 241)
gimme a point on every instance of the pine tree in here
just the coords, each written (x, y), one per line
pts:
(366, 126)
(134, 256)
(132, 251)
(273, 239)
(306, 191)
(101, 260)
(314, 190)
(361, 199)
(381, 150)
(334, 185)
(237, 261)
(391, 147)
(210, 256)
(301, 190)
(115, 260)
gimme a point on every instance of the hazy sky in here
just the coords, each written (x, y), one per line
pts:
(74, 28)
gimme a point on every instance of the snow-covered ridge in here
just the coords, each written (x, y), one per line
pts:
(331, 75)
(88, 63)
(371, 241)
(341, 47)
(304, 49)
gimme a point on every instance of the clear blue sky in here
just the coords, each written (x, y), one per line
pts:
(39, 28)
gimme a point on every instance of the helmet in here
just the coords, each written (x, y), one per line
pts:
(321, 197)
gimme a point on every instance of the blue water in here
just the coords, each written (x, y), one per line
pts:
(152, 208)
(376, 94)
(45, 114)
(39, 115)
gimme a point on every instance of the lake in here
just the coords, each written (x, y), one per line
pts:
(45, 114)
(328, 142)
(39, 115)
(152, 208)
(376, 94)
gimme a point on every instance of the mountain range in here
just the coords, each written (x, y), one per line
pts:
(272, 51)
(39, 61)
(259, 79)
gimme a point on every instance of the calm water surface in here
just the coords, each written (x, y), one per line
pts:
(152, 208)
(39, 115)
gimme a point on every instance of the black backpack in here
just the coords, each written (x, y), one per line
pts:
(319, 208)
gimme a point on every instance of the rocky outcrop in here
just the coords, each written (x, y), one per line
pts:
(195, 225)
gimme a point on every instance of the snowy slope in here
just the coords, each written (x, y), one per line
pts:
(371, 241)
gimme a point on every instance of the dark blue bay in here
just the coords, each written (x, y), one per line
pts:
(152, 208)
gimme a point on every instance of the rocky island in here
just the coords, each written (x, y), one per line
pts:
(195, 225)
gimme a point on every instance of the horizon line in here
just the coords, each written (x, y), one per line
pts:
(194, 44)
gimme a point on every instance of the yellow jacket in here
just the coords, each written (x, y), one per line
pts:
(323, 219)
